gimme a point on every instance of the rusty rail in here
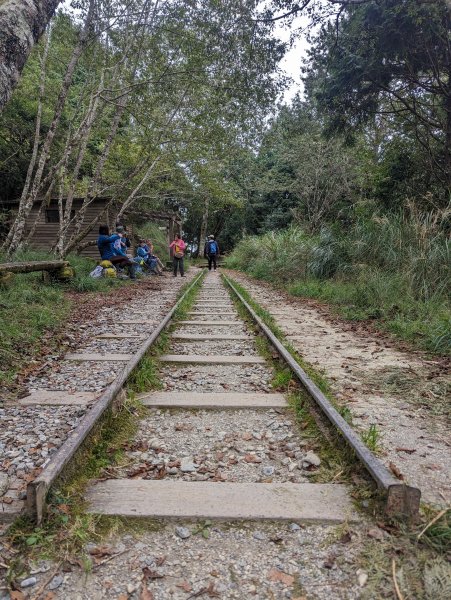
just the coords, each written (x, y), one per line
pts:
(400, 499)
(38, 488)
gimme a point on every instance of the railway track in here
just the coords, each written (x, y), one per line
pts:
(61, 394)
(214, 366)
(217, 445)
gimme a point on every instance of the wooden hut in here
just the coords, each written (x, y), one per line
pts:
(46, 221)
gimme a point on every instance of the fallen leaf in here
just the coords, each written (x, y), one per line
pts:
(160, 561)
(276, 575)
(396, 472)
(151, 574)
(329, 562)
(100, 551)
(247, 436)
(407, 450)
(210, 590)
(16, 595)
(345, 538)
(49, 596)
(145, 593)
(276, 539)
(185, 586)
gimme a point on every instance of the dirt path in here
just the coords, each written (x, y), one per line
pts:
(403, 394)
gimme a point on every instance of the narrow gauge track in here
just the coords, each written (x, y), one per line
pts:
(36, 501)
(400, 499)
(289, 497)
(64, 391)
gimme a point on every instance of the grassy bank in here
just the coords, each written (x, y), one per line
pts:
(32, 311)
(394, 272)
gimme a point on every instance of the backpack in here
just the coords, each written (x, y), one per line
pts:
(212, 247)
(98, 272)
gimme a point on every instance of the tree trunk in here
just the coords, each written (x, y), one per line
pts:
(203, 227)
(65, 219)
(37, 132)
(26, 206)
(22, 22)
(131, 198)
(44, 204)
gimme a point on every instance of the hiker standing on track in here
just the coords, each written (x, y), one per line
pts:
(178, 252)
(211, 251)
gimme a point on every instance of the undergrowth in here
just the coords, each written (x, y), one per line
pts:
(32, 310)
(393, 271)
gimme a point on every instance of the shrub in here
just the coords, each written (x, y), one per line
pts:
(394, 269)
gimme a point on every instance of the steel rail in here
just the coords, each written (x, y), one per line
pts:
(400, 499)
(38, 488)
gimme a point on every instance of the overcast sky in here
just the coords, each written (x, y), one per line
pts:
(292, 61)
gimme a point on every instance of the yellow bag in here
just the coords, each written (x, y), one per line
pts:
(106, 264)
(109, 271)
(66, 273)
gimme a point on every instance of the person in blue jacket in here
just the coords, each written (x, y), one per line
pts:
(211, 251)
(105, 244)
(143, 252)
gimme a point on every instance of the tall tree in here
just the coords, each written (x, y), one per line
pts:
(390, 59)
(22, 23)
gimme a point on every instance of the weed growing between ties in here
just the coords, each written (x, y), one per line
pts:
(146, 376)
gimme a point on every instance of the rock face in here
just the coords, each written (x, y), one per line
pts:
(21, 25)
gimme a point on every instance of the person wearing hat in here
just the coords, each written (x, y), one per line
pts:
(120, 246)
(211, 251)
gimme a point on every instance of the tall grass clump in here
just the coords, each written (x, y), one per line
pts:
(394, 269)
(278, 257)
(157, 236)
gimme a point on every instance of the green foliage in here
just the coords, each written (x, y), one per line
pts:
(31, 312)
(157, 236)
(145, 377)
(371, 438)
(384, 66)
(392, 270)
